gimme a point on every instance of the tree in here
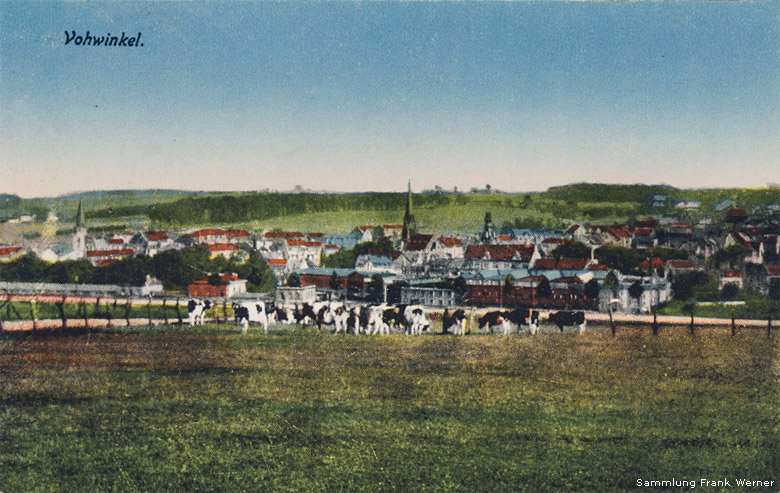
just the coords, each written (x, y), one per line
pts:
(592, 289)
(543, 289)
(294, 280)
(729, 291)
(620, 258)
(572, 250)
(377, 287)
(611, 280)
(509, 284)
(635, 291)
(688, 284)
(335, 281)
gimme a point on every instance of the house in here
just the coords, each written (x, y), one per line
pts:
(429, 296)
(736, 215)
(446, 247)
(366, 233)
(103, 257)
(58, 252)
(687, 204)
(731, 277)
(225, 250)
(7, 254)
(280, 267)
(288, 296)
(148, 243)
(208, 236)
(657, 200)
(303, 253)
(614, 235)
(722, 205)
(561, 264)
(674, 267)
(328, 250)
(239, 236)
(375, 263)
(617, 298)
(218, 285)
(485, 257)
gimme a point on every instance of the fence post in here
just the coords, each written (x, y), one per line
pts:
(224, 310)
(61, 308)
(178, 313)
(165, 312)
(84, 307)
(149, 311)
(96, 312)
(127, 311)
(692, 326)
(33, 314)
(611, 321)
(655, 323)
(108, 315)
(733, 326)
(769, 325)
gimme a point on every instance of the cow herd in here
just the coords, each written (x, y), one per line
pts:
(383, 318)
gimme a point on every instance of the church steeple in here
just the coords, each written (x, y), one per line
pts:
(410, 227)
(80, 235)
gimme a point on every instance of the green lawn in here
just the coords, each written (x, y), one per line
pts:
(210, 410)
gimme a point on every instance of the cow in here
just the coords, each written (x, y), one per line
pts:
(524, 316)
(491, 319)
(250, 311)
(196, 309)
(376, 320)
(284, 316)
(394, 317)
(333, 314)
(305, 314)
(568, 319)
(416, 320)
(456, 320)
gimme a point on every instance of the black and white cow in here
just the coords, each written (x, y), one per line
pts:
(568, 319)
(416, 320)
(393, 317)
(456, 320)
(196, 309)
(494, 318)
(250, 311)
(284, 316)
(333, 314)
(525, 316)
(305, 314)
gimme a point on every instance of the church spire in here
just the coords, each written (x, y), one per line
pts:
(410, 227)
(80, 223)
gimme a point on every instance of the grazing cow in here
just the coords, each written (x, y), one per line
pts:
(333, 314)
(376, 320)
(305, 314)
(568, 319)
(416, 320)
(250, 311)
(491, 319)
(284, 316)
(394, 317)
(196, 309)
(524, 316)
(456, 320)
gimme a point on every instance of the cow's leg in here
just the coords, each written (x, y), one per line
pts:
(582, 326)
(244, 325)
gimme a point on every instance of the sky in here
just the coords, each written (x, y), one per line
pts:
(361, 96)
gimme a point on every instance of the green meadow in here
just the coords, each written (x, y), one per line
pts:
(207, 409)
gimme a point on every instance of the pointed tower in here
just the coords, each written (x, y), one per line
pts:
(410, 227)
(488, 232)
(80, 236)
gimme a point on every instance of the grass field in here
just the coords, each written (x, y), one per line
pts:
(210, 410)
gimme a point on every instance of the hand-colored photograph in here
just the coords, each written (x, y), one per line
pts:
(390, 246)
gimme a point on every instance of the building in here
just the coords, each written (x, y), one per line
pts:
(409, 227)
(218, 285)
(429, 296)
(290, 296)
(79, 240)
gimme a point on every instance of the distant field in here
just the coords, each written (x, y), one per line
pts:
(181, 410)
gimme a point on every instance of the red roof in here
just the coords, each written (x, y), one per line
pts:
(505, 237)
(736, 212)
(573, 228)
(332, 247)
(533, 278)
(283, 234)
(156, 235)
(393, 254)
(277, 261)
(365, 228)
(226, 277)
(646, 224)
(732, 274)
(500, 252)
(561, 263)
(418, 242)
(393, 226)
(680, 264)
(569, 280)
(110, 253)
(314, 235)
(652, 263)
(556, 241)
(238, 233)
(598, 267)
(304, 243)
(106, 261)
(774, 270)
(116, 241)
(222, 247)
(617, 232)
(206, 232)
(450, 242)
(5, 251)
(643, 231)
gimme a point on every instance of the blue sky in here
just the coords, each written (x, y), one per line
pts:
(363, 96)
